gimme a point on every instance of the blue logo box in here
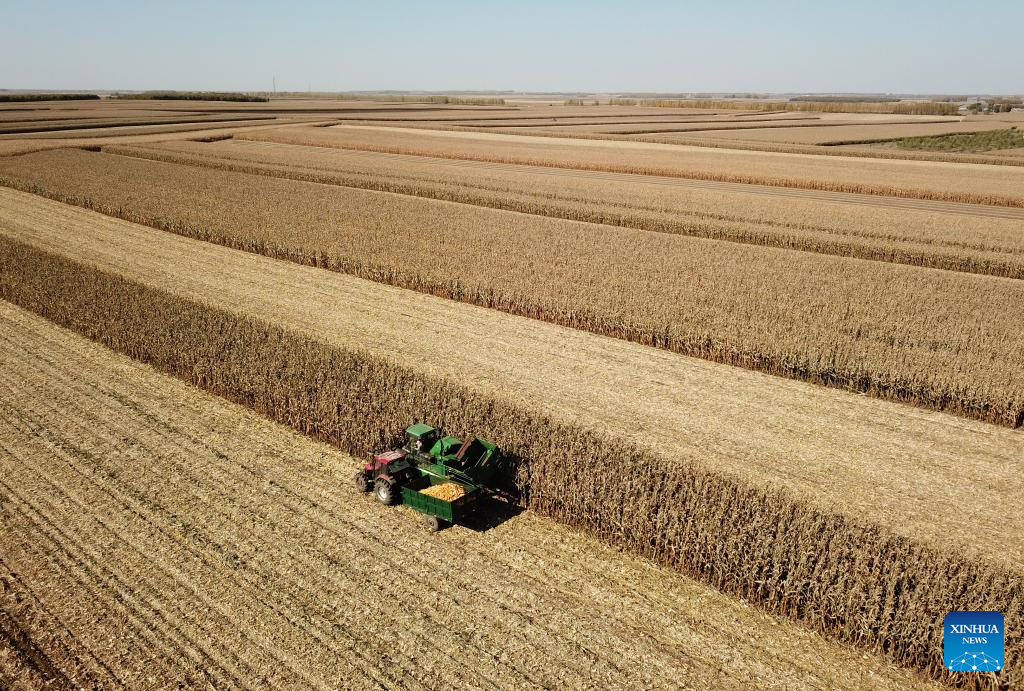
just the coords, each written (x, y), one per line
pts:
(973, 641)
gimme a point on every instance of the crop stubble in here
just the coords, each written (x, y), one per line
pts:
(222, 549)
(774, 490)
(707, 140)
(917, 232)
(846, 133)
(829, 320)
(999, 185)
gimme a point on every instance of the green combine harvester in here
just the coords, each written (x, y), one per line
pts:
(442, 477)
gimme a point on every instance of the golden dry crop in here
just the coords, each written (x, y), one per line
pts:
(830, 320)
(917, 232)
(707, 140)
(868, 572)
(35, 126)
(219, 549)
(774, 490)
(449, 491)
(981, 185)
(852, 133)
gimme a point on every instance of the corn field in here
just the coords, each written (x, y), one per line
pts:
(688, 295)
(857, 582)
(932, 238)
(892, 107)
(852, 151)
(889, 178)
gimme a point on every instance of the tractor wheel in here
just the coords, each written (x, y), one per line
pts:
(387, 493)
(435, 524)
(362, 484)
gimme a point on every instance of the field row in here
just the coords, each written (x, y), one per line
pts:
(971, 184)
(832, 135)
(711, 470)
(769, 143)
(221, 549)
(94, 139)
(831, 320)
(39, 127)
(911, 231)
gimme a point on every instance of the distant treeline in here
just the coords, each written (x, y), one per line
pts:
(961, 99)
(24, 98)
(425, 98)
(388, 98)
(818, 105)
(194, 96)
(842, 99)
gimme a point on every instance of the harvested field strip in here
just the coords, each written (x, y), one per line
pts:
(575, 115)
(709, 142)
(858, 133)
(711, 472)
(158, 128)
(768, 125)
(14, 146)
(266, 522)
(669, 205)
(8, 116)
(113, 124)
(540, 121)
(343, 160)
(689, 295)
(974, 184)
(620, 122)
(23, 662)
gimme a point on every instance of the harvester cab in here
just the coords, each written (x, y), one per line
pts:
(420, 439)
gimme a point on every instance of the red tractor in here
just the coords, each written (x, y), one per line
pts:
(385, 474)
(388, 471)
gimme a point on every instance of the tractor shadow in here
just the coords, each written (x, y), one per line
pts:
(490, 513)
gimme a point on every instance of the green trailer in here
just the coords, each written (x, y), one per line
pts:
(441, 513)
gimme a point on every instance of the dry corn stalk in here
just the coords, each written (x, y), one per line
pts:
(834, 321)
(858, 582)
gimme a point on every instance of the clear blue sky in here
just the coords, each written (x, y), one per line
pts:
(735, 45)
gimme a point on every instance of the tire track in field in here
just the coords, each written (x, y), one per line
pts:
(98, 421)
(36, 560)
(58, 634)
(84, 475)
(16, 638)
(88, 572)
(313, 568)
(380, 548)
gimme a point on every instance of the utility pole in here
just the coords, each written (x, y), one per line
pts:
(275, 84)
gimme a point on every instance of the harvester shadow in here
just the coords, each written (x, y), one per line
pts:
(491, 513)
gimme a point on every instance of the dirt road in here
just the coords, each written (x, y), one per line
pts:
(152, 534)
